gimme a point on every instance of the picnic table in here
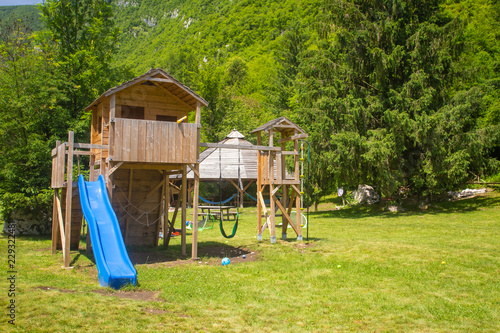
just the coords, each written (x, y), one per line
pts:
(215, 211)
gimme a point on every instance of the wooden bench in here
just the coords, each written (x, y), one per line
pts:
(234, 214)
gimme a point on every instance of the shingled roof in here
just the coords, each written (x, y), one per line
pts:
(162, 79)
(283, 124)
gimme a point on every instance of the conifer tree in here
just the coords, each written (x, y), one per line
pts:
(379, 101)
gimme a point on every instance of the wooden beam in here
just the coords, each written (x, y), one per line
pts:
(198, 113)
(90, 146)
(283, 211)
(184, 204)
(294, 137)
(194, 244)
(54, 151)
(157, 79)
(55, 223)
(61, 223)
(276, 190)
(81, 152)
(296, 189)
(195, 170)
(69, 199)
(129, 198)
(162, 211)
(242, 147)
(272, 220)
(262, 203)
(113, 169)
(112, 107)
(166, 238)
(259, 189)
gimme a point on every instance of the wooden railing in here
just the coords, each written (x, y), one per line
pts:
(154, 141)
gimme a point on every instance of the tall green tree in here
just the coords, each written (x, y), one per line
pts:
(481, 57)
(85, 38)
(46, 81)
(32, 120)
(378, 98)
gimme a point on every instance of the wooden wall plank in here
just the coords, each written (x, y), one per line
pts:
(141, 141)
(156, 141)
(118, 139)
(149, 142)
(164, 143)
(127, 140)
(134, 142)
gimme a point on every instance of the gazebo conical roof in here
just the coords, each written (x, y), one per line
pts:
(231, 160)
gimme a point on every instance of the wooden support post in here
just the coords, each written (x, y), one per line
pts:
(285, 199)
(198, 114)
(283, 210)
(298, 212)
(196, 171)
(272, 224)
(112, 108)
(160, 224)
(91, 167)
(296, 158)
(194, 245)
(55, 224)
(129, 198)
(88, 241)
(171, 225)
(259, 188)
(183, 195)
(69, 198)
(60, 220)
(189, 196)
(166, 198)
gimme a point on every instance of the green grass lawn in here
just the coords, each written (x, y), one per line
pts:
(362, 270)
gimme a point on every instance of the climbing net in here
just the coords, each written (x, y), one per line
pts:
(150, 216)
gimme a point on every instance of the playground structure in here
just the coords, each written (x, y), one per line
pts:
(274, 178)
(140, 139)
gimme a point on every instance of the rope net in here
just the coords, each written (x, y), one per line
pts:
(150, 216)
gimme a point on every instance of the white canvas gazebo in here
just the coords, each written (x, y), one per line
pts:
(239, 166)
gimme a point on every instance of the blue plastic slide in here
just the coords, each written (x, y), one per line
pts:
(113, 264)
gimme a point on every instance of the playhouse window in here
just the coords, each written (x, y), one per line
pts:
(161, 117)
(132, 112)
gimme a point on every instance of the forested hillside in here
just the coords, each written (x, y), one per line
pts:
(225, 49)
(28, 14)
(396, 94)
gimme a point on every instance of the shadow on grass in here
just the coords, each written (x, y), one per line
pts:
(140, 255)
(380, 210)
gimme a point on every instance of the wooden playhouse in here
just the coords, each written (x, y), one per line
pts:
(140, 135)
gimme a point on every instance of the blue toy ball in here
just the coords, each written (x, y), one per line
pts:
(226, 261)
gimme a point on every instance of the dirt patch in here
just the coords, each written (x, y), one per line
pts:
(149, 257)
(155, 311)
(47, 249)
(208, 255)
(147, 296)
(212, 255)
(56, 289)
(301, 247)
